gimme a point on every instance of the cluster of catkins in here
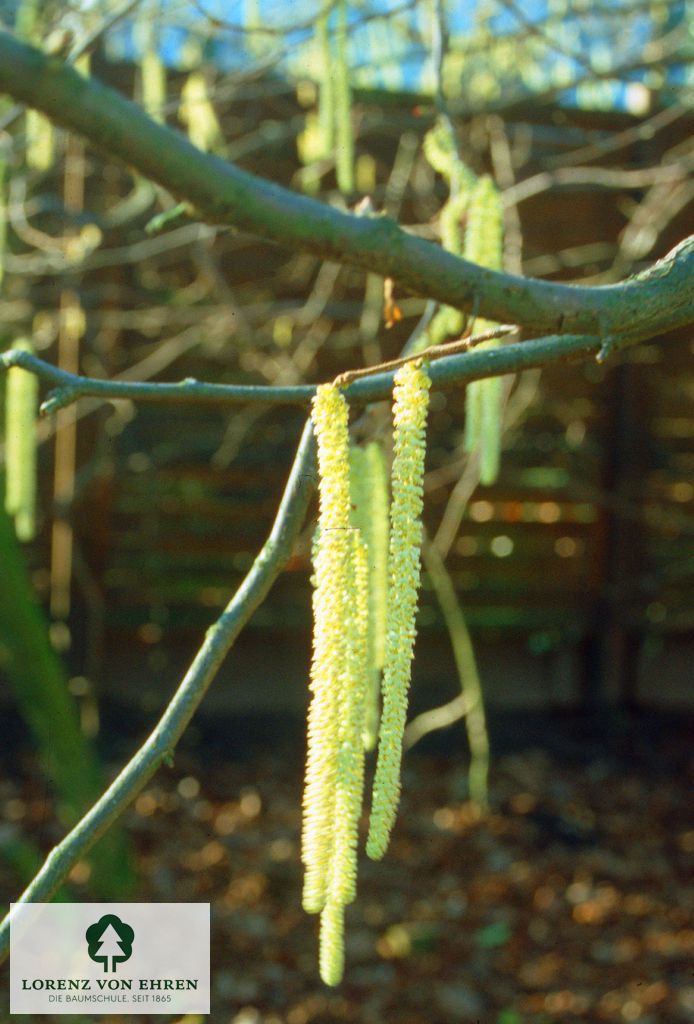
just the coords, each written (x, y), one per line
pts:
(476, 201)
(366, 581)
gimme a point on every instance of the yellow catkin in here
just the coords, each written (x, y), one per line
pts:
(319, 786)
(410, 406)
(309, 142)
(198, 114)
(332, 943)
(344, 139)
(40, 141)
(441, 151)
(483, 245)
(484, 235)
(326, 96)
(21, 404)
(349, 776)
(330, 602)
(3, 219)
(369, 490)
(328, 132)
(153, 84)
(39, 132)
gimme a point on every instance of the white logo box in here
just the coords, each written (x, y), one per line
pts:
(99, 958)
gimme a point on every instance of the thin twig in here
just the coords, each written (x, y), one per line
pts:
(645, 129)
(469, 703)
(449, 348)
(445, 372)
(668, 173)
(298, 26)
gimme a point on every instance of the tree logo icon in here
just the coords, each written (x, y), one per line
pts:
(109, 938)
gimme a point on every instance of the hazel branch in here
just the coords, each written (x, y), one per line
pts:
(372, 385)
(643, 306)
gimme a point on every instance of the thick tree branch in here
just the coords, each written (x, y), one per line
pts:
(641, 307)
(160, 744)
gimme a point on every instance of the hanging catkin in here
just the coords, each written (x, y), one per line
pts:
(335, 761)
(349, 776)
(198, 114)
(332, 581)
(39, 131)
(441, 151)
(3, 217)
(483, 404)
(332, 943)
(326, 95)
(410, 405)
(152, 74)
(40, 141)
(21, 403)
(344, 140)
(369, 492)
